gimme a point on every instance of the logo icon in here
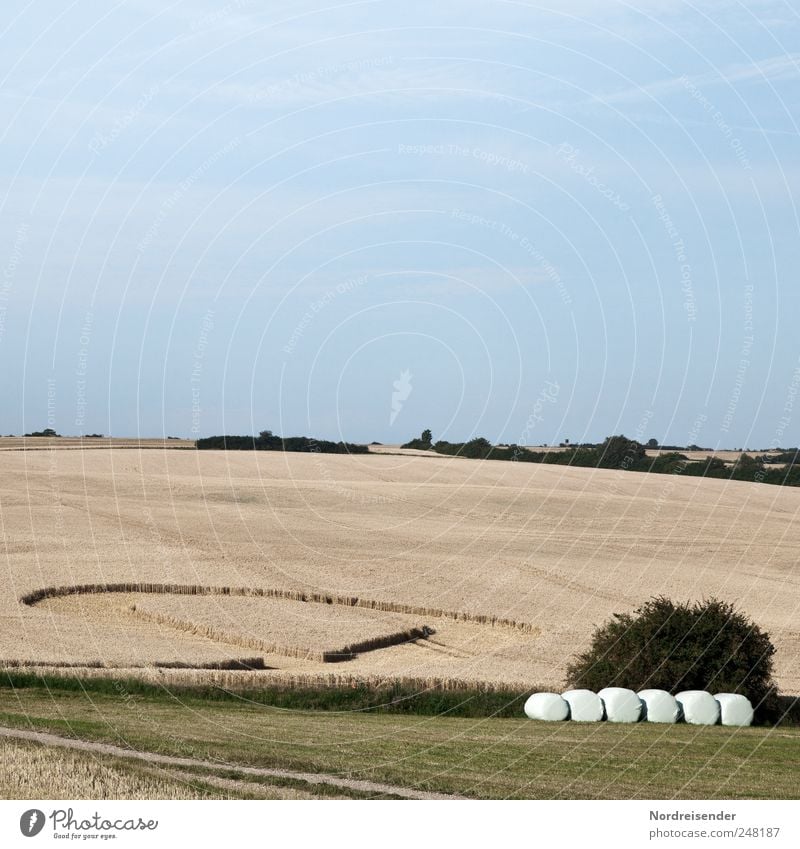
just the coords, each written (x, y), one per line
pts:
(402, 389)
(31, 822)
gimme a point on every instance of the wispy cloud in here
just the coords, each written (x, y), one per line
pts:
(772, 68)
(377, 76)
(472, 280)
(666, 121)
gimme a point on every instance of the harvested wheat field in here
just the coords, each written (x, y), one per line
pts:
(31, 770)
(43, 443)
(327, 633)
(371, 566)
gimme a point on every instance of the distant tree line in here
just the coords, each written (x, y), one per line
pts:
(267, 441)
(789, 455)
(619, 452)
(423, 443)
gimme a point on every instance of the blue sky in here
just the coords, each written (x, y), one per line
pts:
(226, 217)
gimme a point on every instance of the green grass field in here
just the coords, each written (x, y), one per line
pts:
(479, 757)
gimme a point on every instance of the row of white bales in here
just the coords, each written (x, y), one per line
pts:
(617, 704)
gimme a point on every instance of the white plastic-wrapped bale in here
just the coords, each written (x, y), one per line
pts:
(584, 705)
(621, 705)
(547, 706)
(699, 707)
(735, 709)
(659, 706)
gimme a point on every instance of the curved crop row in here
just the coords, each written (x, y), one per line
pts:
(330, 656)
(36, 596)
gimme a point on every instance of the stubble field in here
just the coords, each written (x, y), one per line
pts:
(417, 567)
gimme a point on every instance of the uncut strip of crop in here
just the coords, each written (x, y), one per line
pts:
(305, 631)
(31, 771)
(553, 548)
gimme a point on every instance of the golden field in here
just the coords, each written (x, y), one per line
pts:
(508, 565)
(41, 443)
(35, 771)
(30, 771)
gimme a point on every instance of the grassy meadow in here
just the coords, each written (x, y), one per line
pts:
(475, 757)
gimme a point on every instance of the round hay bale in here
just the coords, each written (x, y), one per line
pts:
(547, 706)
(699, 707)
(659, 706)
(584, 705)
(621, 705)
(735, 709)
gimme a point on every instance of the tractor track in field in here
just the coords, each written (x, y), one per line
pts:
(360, 785)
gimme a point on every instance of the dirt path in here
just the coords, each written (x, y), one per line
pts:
(153, 758)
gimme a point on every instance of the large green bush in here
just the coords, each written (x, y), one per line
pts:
(708, 645)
